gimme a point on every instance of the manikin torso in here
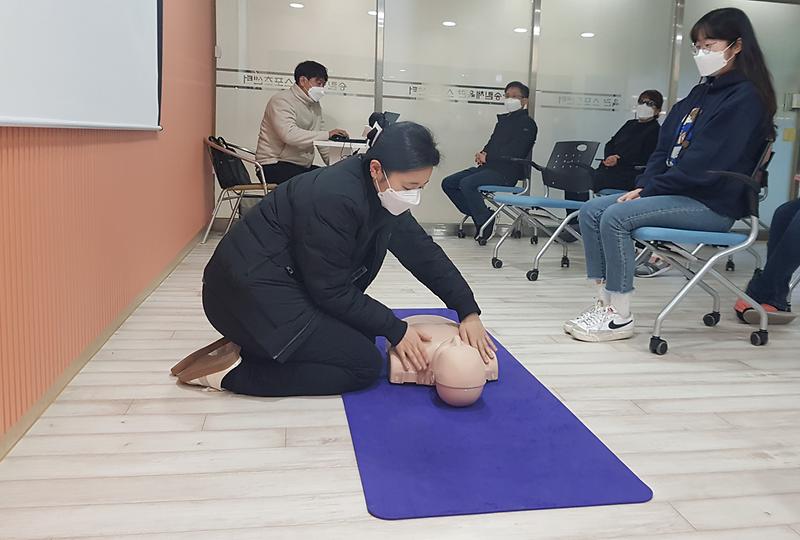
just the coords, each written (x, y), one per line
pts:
(456, 369)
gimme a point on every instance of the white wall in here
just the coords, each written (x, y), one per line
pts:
(423, 60)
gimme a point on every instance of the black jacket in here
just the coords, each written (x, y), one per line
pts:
(513, 136)
(313, 246)
(633, 143)
(721, 125)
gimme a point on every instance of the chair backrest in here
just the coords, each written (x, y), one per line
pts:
(761, 176)
(570, 166)
(228, 168)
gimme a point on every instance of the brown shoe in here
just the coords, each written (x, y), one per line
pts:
(219, 359)
(189, 360)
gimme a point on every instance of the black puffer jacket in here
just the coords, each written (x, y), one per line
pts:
(313, 246)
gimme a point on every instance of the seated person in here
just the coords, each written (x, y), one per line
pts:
(721, 125)
(631, 146)
(513, 136)
(770, 288)
(292, 122)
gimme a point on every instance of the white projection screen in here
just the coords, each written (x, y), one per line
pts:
(80, 63)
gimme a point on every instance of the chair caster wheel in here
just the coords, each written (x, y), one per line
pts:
(534, 240)
(711, 319)
(532, 275)
(658, 346)
(516, 234)
(730, 266)
(565, 262)
(481, 241)
(461, 234)
(496, 263)
(760, 337)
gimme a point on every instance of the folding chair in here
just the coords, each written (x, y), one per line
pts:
(488, 192)
(569, 168)
(667, 244)
(792, 286)
(233, 178)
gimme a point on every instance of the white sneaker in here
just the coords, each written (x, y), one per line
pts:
(604, 325)
(591, 310)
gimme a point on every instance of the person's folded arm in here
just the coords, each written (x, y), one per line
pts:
(326, 226)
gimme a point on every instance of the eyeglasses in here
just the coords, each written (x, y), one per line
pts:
(705, 50)
(648, 102)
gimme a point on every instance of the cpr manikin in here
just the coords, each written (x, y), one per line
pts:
(455, 368)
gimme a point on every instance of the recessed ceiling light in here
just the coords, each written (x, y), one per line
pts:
(402, 71)
(449, 24)
(297, 5)
(372, 12)
(520, 30)
(587, 34)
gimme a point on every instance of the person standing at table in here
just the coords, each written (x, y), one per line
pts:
(292, 122)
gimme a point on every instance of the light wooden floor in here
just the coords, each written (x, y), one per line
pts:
(713, 427)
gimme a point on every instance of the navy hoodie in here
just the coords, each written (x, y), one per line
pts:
(721, 125)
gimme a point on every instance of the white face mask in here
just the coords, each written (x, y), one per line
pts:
(397, 202)
(644, 112)
(512, 104)
(710, 62)
(316, 93)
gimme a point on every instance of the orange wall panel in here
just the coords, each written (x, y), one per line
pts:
(88, 218)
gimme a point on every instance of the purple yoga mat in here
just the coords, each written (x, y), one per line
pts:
(517, 448)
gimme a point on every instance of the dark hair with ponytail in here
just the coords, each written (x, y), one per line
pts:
(730, 24)
(404, 146)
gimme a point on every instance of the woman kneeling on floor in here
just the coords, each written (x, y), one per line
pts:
(285, 287)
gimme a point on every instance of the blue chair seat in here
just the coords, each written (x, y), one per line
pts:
(500, 189)
(528, 201)
(681, 236)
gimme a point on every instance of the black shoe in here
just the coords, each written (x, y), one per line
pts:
(487, 234)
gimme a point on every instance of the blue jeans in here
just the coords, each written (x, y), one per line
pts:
(606, 227)
(462, 189)
(783, 257)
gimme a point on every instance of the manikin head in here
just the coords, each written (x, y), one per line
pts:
(458, 372)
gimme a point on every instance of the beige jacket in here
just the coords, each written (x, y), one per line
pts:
(292, 122)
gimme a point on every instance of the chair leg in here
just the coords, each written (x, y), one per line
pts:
(496, 213)
(563, 225)
(509, 232)
(757, 256)
(233, 212)
(214, 215)
(460, 232)
(762, 313)
(496, 262)
(687, 273)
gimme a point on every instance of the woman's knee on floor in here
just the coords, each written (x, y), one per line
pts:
(366, 365)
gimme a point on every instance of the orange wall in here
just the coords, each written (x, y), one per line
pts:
(89, 218)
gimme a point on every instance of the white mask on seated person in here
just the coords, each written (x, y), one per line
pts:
(316, 93)
(644, 112)
(512, 104)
